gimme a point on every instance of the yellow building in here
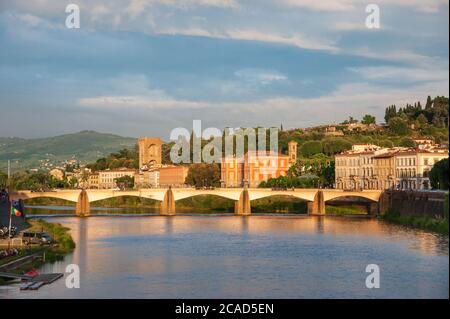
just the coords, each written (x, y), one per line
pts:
(93, 181)
(384, 170)
(107, 178)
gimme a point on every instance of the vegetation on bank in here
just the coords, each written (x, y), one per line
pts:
(345, 210)
(438, 225)
(64, 245)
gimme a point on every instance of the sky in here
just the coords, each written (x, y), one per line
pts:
(145, 67)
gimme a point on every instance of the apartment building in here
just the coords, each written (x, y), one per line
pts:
(373, 167)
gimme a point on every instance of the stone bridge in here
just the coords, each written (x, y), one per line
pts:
(316, 198)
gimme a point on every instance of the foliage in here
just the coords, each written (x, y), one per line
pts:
(290, 182)
(39, 181)
(368, 119)
(125, 158)
(319, 165)
(428, 223)
(202, 174)
(3, 179)
(435, 113)
(398, 126)
(332, 146)
(311, 148)
(407, 142)
(124, 182)
(58, 232)
(439, 175)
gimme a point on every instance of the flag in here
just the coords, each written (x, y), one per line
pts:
(16, 212)
(16, 209)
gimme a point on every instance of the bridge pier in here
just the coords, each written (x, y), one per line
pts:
(317, 207)
(168, 204)
(83, 207)
(242, 206)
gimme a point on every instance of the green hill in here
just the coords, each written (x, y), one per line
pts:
(85, 147)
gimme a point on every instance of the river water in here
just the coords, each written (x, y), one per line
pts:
(270, 256)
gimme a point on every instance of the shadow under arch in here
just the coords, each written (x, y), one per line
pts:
(48, 205)
(131, 203)
(205, 203)
(47, 201)
(279, 203)
(350, 204)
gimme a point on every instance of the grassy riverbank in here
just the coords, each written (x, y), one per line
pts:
(345, 210)
(64, 245)
(437, 225)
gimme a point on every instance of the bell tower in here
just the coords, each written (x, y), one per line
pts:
(150, 149)
(292, 152)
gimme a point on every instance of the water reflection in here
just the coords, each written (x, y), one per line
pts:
(247, 257)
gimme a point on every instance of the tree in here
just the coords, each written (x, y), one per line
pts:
(203, 175)
(368, 119)
(333, 146)
(439, 175)
(311, 148)
(391, 112)
(407, 142)
(421, 121)
(3, 179)
(398, 126)
(125, 182)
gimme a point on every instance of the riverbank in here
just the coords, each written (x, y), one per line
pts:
(38, 255)
(437, 225)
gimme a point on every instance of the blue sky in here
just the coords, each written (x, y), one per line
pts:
(144, 67)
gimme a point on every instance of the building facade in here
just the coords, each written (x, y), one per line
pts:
(373, 167)
(107, 178)
(147, 179)
(254, 168)
(173, 176)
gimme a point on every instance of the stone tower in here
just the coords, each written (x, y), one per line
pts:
(292, 151)
(149, 152)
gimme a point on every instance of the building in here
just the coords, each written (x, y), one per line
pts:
(147, 179)
(255, 167)
(150, 150)
(107, 178)
(354, 169)
(425, 162)
(93, 181)
(384, 170)
(174, 176)
(292, 151)
(232, 172)
(373, 167)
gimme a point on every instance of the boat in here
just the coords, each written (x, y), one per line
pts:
(26, 285)
(36, 285)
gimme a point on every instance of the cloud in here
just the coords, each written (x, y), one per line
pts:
(263, 77)
(322, 5)
(297, 40)
(429, 6)
(403, 74)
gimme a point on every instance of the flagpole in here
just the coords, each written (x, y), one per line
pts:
(10, 219)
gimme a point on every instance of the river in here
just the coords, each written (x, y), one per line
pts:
(265, 256)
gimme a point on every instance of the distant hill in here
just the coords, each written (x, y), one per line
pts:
(85, 146)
